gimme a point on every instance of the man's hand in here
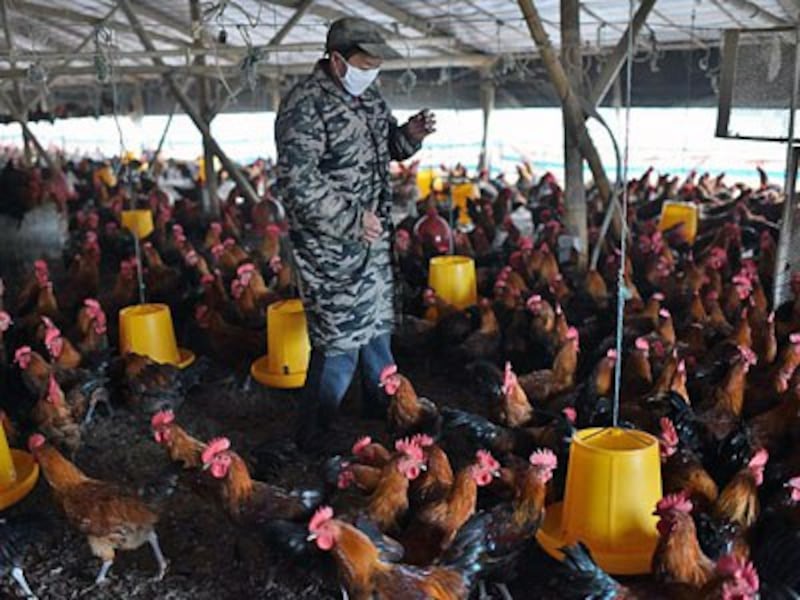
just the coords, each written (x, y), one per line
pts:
(421, 125)
(372, 227)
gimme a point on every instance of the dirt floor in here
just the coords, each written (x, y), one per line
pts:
(209, 558)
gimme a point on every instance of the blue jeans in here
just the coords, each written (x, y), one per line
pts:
(329, 376)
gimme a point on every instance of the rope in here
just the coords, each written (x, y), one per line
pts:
(623, 294)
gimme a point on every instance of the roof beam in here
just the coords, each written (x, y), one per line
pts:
(754, 11)
(619, 54)
(301, 10)
(233, 169)
(791, 8)
(9, 33)
(403, 17)
(34, 11)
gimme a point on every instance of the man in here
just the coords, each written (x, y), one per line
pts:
(335, 137)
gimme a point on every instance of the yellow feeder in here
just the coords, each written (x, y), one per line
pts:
(461, 193)
(288, 347)
(107, 176)
(147, 329)
(676, 213)
(453, 279)
(613, 485)
(139, 222)
(425, 182)
(18, 473)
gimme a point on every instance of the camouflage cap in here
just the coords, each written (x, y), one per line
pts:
(351, 33)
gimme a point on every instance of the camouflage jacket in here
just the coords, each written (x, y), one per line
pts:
(333, 164)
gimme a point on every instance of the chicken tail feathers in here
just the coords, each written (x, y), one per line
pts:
(584, 576)
(469, 550)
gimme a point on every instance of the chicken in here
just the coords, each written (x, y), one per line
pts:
(682, 471)
(434, 526)
(16, 535)
(542, 385)
(774, 429)
(36, 370)
(437, 479)
(92, 327)
(485, 342)
(512, 525)
(637, 376)
(149, 386)
(508, 402)
(64, 355)
(734, 578)
(247, 501)
(29, 292)
(161, 281)
(234, 346)
(727, 399)
(389, 500)
(180, 446)
(738, 501)
(126, 286)
(365, 575)
(111, 518)
(53, 416)
(408, 413)
(678, 557)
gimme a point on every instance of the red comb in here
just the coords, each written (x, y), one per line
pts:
(795, 338)
(322, 516)
(658, 296)
(387, 372)
(572, 333)
(486, 460)
(422, 440)
(668, 433)
(664, 313)
(245, 268)
(161, 418)
(642, 344)
(674, 503)
(360, 444)
(409, 448)
(759, 459)
(215, 446)
(611, 354)
(544, 459)
(37, 440)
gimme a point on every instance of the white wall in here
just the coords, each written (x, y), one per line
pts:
(675, 140)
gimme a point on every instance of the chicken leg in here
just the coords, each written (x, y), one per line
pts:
(18, 575)
(102, 576)
(152, 539)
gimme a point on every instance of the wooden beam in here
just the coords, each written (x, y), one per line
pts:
(188, 107)
(573, 111)
(27, 134)
(753, 11)
(211, 204)
(618, 56)
(574, 186)
(408, 19)
(301, 10)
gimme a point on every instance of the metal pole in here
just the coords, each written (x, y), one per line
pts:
(139, 276)
(785, 240)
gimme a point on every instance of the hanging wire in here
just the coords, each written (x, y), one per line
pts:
(623, 294)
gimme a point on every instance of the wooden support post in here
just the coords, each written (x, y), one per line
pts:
(574, 185)
(574, 120)
(487, 105)
(211, 200)
(186, 104)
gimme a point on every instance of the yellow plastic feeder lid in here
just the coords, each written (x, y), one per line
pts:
(18, 473)
(139, 222)
(147, 329)
(613, 485)
(288, 347)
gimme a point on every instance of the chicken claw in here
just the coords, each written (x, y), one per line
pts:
(152, 539)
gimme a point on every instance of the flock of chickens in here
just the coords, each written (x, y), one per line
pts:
(448, 499)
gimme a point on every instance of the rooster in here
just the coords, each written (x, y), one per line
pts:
(247, 501)
(180, 446)
(682, 471)
(678, 557)
(543, 385)
(738, 501)
(435, 525)
(365, 574)
(55, 418)
(408, 413)
(111, 518)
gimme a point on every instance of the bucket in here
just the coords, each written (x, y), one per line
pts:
(613, 485)
(453, 279)
(674, 213)
(288, 347)
(461, 194)
(147, 329)
(18, 473)
(138, 222)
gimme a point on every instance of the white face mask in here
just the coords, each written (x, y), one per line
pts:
(356, 80)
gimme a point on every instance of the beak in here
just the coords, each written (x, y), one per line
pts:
(496, 473)
(311, 537)
(423, 467)
(206, 466)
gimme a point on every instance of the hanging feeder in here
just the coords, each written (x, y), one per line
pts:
(147, 329)
(18, 473)
(288, 347)
(680, 213)
(613, 485)
(454, 281)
